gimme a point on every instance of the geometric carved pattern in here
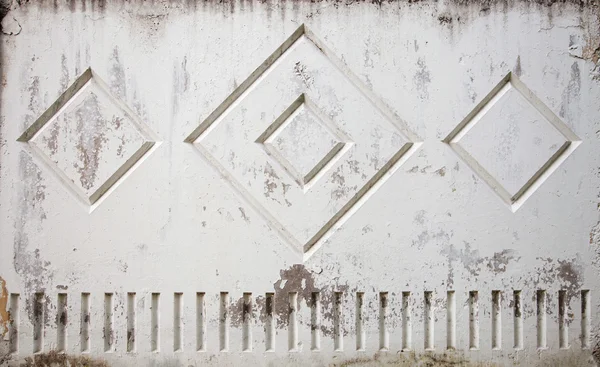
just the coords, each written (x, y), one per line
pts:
(304, 142)
(512, 141)
(89, 139)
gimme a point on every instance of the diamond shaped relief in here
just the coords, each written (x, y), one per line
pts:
(89, 139)
(512, 141)
(304, 142)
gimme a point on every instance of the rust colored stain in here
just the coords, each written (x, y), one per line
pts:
(4, 316)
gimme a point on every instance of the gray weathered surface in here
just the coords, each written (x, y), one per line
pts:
(170, 171)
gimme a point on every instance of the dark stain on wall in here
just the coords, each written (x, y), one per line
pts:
(54, 358)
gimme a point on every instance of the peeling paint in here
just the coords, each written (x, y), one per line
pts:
(4, 316)
(567, 272)
(91, 132)
(28, 262)
(571, 92)
(244, 216)
(474, 264)
(414, 234)
(295, 279)
(270, 180)
(302, 73)
(299, 279)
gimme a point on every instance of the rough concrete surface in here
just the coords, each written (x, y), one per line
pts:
(345, 183)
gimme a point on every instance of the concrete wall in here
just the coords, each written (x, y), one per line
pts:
(290, 182)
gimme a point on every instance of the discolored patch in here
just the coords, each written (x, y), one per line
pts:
(4, 316)
(412, 359)
(295, 279)
(54, 358)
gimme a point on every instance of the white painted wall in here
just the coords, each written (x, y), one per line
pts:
(193, 176)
